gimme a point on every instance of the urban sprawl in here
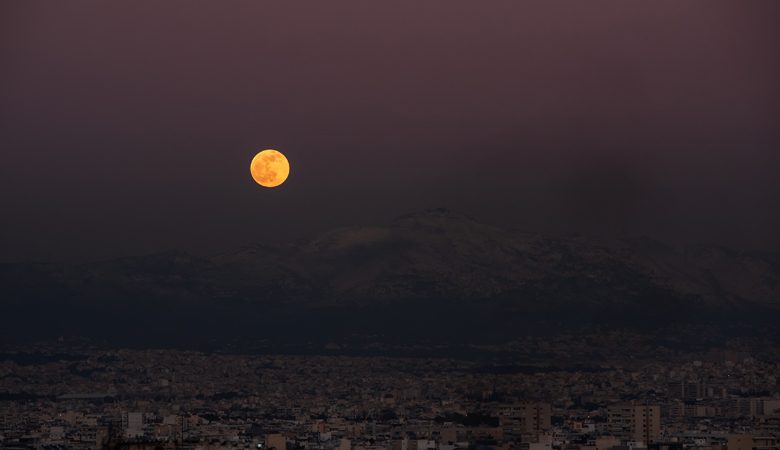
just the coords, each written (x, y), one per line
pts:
(640, 397)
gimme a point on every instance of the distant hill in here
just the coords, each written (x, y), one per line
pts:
(431, 275)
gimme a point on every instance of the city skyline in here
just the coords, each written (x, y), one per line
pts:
(400, 225)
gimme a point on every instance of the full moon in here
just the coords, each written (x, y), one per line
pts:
(269, 168)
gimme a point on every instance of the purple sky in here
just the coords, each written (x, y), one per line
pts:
(128, 128)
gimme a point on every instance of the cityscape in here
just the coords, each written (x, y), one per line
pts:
(594, 392)
(389, 225)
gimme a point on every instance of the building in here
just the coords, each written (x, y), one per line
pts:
(634, 422)
(528, 417)
(275, 441)
(133, 424)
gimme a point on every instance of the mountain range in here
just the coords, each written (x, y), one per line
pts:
(433, 274)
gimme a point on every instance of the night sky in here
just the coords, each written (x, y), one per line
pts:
(128, 128)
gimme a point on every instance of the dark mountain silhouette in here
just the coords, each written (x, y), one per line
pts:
(430, 275)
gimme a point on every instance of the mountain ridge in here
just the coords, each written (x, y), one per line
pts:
(436, 263)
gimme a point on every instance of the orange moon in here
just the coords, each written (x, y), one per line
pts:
(269, 168)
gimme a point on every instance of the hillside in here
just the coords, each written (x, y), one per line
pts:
(425, 274)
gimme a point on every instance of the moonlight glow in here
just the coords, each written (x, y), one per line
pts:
(269, 168)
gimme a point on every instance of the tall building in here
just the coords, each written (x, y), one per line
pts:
(133, 424)
(688, 390)
(635, 422)
(530, 417)
(754, 407)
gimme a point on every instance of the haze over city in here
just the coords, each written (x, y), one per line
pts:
(346, 225)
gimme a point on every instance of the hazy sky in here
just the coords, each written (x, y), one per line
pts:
(128, 127)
